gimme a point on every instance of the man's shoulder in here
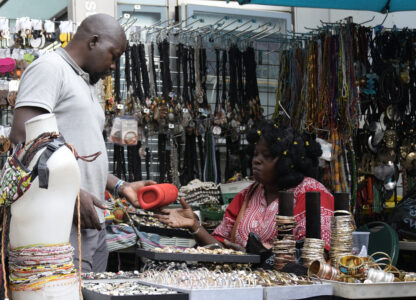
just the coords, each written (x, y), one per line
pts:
(52, 59)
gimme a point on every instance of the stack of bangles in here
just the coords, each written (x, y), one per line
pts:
(342, 227)
(313, 249)
(284, 247)
(33, 266)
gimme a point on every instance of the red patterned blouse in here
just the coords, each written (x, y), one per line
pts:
(260, 217)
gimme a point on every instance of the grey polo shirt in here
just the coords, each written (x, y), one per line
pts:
(56, 83)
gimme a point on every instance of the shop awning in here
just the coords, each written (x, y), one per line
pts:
(372, 5)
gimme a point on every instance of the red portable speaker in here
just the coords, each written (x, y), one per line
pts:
(157, 195)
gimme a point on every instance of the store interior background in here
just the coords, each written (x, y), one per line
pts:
(148, 12)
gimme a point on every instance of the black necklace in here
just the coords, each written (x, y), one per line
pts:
(134, 162)
(117, 81)
(217, 71)
(127, 67)
(224, 79)
(152, 54)
(138, 92)
(145, 73)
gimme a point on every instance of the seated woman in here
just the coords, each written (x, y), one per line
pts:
(283, 161)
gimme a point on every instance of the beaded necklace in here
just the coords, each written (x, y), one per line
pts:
(33, 266)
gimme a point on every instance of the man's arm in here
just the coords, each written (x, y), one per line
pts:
(127, 189)
(21, 115)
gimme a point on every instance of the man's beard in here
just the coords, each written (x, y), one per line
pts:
(94, 78)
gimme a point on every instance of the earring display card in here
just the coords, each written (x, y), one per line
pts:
(215, 258)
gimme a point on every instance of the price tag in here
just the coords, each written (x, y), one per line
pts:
(146, 110)
(14, 85)
(185, 110)
(137, 7)
(171, 126)
(120, 106)
(126, 16)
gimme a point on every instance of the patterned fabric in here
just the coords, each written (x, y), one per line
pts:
(14, 179)
(120, 237)
(260, 217)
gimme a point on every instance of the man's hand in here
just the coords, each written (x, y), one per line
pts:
(179, 218)
(89, 218)
(129, 190)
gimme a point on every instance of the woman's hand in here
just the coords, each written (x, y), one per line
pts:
(179, 218)
(234, 246)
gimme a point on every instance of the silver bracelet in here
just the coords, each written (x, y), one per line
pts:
(196, 231)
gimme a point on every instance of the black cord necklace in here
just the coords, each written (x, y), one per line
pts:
(138, 92)
(217, 71)
(179, 50)
(152, 54)
(240, 83)
(161, 150)
(203, 70)
(224, 79)
(127, 67)
(134, 162)
(232, 92)
(192, 74)
(185, 90)
(119, 164)
(145, 73)
(117, 81)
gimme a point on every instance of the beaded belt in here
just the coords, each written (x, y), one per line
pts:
(33, 266)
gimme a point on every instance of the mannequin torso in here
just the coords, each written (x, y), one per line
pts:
(44, 216)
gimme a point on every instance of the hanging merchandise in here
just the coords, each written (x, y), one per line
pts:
(210, 169)
(352, 86)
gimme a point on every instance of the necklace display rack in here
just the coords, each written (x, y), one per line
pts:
(169, 95)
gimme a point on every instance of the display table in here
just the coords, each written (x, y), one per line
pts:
(394, 290)
(93, 295)
(249, 293)
(314, 291)
(408, 246)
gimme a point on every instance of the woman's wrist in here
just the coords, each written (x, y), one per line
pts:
(194, 228)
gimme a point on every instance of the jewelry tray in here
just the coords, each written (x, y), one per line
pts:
(218, 258)
(217, 293)
(91, 295)
(164, 231)
(324, 291)
(373, 290)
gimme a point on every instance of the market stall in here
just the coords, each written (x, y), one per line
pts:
(304, 196)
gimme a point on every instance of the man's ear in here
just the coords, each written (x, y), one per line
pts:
(93, 41)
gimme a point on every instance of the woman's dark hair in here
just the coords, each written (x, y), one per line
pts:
(298, 153)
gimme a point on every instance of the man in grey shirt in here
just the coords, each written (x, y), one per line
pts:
(62, 82)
